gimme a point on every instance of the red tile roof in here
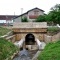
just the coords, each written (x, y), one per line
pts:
(7, 17)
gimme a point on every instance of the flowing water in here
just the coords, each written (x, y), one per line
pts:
(25, 55)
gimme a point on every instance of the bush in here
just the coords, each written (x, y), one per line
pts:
(24, 19)
(41, 18)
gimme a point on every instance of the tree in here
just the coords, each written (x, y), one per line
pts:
(24, 19)
(41, 18)
(52, 17)
(54, 14)
(56, 7)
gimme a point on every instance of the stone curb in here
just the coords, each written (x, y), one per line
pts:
(14, 55)
(11, 57)
(36, 55)
(5, 35)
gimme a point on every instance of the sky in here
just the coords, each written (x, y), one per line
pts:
(9, 7)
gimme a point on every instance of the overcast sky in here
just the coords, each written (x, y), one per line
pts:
(8, 7)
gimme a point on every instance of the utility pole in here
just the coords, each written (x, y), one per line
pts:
(14, 17)
(6, 19)
(21, 12)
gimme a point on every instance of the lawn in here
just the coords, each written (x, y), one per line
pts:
(3, 31)
(51, 52)
(6, 49)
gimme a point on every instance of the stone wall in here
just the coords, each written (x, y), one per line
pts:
(30, 25)
(39, 36)
(38, 29)
(29, 30)
(22, 32)
(56, 37)
(53, 38)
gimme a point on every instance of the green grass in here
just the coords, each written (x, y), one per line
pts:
(3, 31)
(6, 49)
(51, 52)
(53, 29)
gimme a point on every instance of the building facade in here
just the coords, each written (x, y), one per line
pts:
(6, 19)
(31, 15)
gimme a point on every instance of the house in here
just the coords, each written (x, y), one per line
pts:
(31, 15)
(5, 19)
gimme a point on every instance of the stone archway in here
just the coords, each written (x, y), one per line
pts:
(29, 39)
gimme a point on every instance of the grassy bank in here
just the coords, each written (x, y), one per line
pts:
(4, 31)
(53, 30)
(6, 49)
(51, 52)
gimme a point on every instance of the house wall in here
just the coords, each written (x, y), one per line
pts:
(17, 19)
(30, 13)
(6, 21)
(9, 21)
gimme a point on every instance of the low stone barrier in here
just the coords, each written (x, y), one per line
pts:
(36, 55)
(8, 34)
(53, 38)
(4, 36)
(11, 57)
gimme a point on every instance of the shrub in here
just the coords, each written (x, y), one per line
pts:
(24, 19)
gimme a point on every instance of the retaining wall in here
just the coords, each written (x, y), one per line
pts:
(51, 38)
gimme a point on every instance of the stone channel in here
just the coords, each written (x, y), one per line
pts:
(25, 55)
